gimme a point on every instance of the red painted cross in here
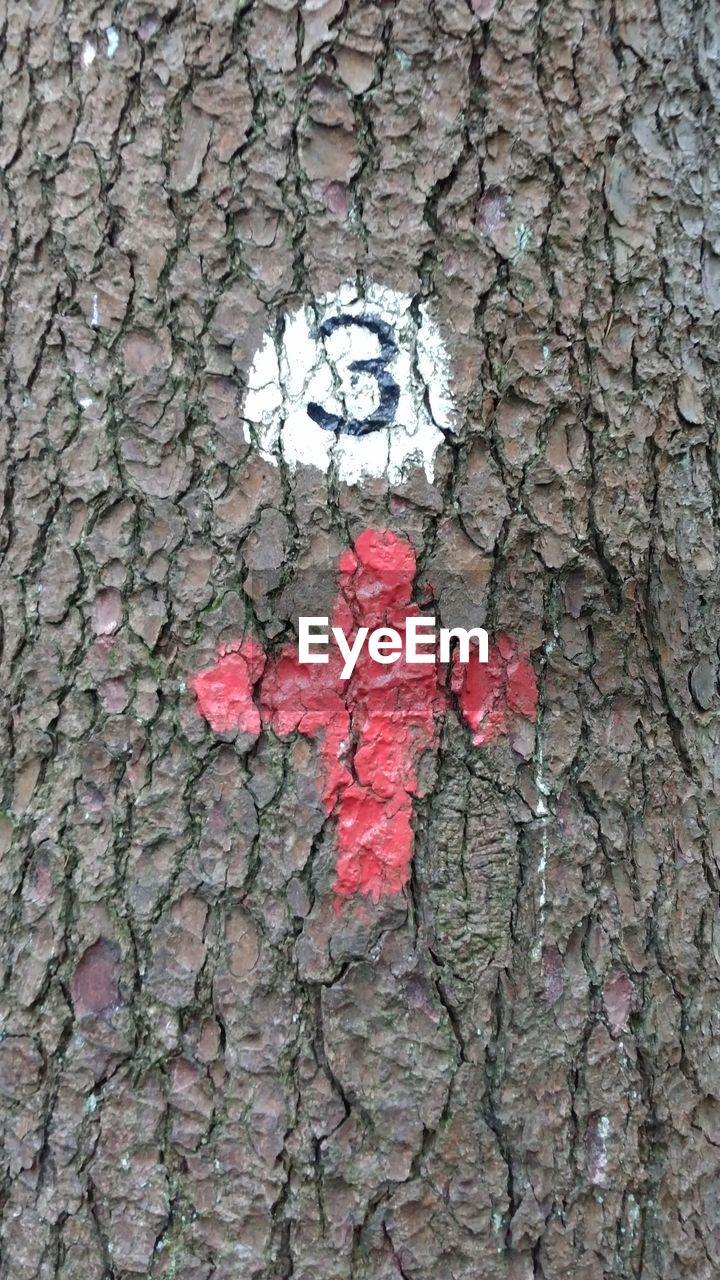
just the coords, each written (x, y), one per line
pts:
(374, 726)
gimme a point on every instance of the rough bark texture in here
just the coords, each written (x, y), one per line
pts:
(511, 1071)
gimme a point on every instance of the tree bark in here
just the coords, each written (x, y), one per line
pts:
(509, 1070)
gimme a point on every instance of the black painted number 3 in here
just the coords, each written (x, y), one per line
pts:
(377, 366)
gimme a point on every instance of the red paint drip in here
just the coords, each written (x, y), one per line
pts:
(489, 692)
(374, 727)
(225, 692)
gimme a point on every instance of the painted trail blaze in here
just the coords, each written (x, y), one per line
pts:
(373, 727)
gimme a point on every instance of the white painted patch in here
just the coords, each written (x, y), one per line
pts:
(95, 317)
(113, 40)
(302, 368)
(89, 53)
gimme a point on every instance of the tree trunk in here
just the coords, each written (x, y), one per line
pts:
(211, 1065)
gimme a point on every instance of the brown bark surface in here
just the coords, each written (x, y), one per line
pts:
(512, 1070)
